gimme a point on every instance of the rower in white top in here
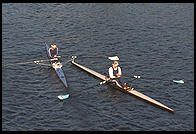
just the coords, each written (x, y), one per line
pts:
(115, 74)
(53, 52)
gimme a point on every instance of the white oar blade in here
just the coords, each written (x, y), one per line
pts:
(62, 97)
(178, 81)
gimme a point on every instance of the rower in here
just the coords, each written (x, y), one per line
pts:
(53, 52)
(115, 74)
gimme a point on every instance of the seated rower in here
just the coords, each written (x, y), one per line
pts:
(115, 76)
(53, 52)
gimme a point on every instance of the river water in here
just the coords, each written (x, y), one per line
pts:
(151, 39)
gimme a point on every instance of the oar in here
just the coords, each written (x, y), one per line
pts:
(66, 62)
(92, 56)
(109, 57)
(175, 81)
(62, 97)
(100, 83)
(28, 62)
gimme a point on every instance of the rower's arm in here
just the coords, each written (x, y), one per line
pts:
(111, 75)
(119, 71)
(50, 52)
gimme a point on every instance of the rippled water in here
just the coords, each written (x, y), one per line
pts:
(152, 40)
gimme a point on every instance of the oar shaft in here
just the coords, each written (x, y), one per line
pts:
(141, 77)
(93, 56)
(101, 83)
(28, 62)
(20, 63)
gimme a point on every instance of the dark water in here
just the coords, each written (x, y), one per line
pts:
(152, 40)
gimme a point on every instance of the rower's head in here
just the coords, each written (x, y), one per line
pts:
(115, 64)
(53, 45)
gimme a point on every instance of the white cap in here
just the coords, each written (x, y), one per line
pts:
(114, 58)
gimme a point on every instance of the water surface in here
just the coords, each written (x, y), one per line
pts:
(152, 40)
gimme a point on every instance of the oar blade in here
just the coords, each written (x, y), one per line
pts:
(178, 81)
(63, 97)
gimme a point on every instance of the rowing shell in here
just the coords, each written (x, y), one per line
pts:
(58, 68)
(129, 91)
